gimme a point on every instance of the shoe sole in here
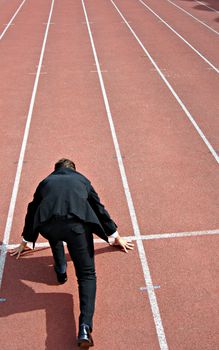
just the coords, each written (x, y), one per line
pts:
(61, 280)
(84, 344)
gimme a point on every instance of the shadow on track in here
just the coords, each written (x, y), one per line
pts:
(19, 276)
(214, 4)
(22, 280)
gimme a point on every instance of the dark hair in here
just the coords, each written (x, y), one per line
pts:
(65, 163)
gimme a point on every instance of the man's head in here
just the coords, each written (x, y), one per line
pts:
(65, 163)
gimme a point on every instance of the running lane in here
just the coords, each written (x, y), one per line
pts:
(69, 118)
(19, 49)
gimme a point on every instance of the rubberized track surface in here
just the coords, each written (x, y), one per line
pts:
(129, 90)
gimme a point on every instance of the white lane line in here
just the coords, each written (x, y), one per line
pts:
(135, 238)
(186, 111)
(21, 157)
(41, 73)
(181, 37)
(12, 18)
(147, 275)
(195, 18)
(95, 71)
(211, 8)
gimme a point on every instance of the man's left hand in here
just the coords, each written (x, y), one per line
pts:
(123, 243)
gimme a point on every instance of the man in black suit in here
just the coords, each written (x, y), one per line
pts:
(66, 207)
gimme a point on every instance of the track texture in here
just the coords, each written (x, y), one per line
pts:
(171, 173)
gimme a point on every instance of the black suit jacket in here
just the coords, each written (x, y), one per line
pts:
(67, 193)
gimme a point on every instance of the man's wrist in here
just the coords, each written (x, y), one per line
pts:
(114, 235)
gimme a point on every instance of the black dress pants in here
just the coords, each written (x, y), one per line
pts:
(81, 249)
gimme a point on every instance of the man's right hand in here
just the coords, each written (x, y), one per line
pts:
(17, 251)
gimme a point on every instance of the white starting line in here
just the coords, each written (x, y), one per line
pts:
(134, 238)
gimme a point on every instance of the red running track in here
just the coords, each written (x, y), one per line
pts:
(172, 175)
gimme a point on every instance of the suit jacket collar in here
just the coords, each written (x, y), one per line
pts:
(63, 171)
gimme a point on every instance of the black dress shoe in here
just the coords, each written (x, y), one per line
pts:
(61, 277)
(84, 337)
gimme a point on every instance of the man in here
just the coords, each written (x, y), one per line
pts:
(65, 207)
